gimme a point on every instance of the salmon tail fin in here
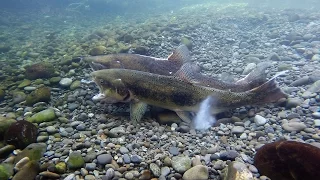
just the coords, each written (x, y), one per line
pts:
(270, 92)
(181, 54)
(256, 77)
(187, 73)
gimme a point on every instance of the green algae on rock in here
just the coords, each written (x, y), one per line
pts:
(24, 83)
(2, 94)
(288, 160)
(42, 94)
(75, 160)
(5, 123)
(187, 42)
(21, 134)
(61, 167)
(6, 170)
(42, 116)
(33, 151)
(18, 96)
(75, 84)
(28, 171)
(39, 70)
(98, 50)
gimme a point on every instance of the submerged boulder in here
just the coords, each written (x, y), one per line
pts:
(42, 94)
(21, 134)
(40, 70)
(288, 160)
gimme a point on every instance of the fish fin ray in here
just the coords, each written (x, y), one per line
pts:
(137, 110)
(181, 54)
(187, 73)
(184, 116)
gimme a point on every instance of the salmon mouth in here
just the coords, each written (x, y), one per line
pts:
(97, 66)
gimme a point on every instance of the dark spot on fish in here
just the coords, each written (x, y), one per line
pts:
(182, 99)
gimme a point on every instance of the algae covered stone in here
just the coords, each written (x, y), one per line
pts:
(18, 96)
(61, 167)
(6, 170)
(28, 171)
(42, 94)
(39, 70)
(98, 50)
(24, 83)
(74, 85)
(5, 123)
(43, 116)
(21, 134)
(186, 41)
(2, 94)
(34, 152)
(75, 160)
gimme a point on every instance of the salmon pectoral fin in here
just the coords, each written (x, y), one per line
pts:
(137, 110)
(185, 116)
(181, 54)
(270, 92)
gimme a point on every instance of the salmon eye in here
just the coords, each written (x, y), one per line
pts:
(101, 81)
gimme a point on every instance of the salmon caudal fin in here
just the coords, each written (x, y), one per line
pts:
(181, 54)
(269, 92)
(256, 77)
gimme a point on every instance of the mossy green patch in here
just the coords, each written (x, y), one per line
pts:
(187, 42)
(6, 170)
(24, 83)
(41, 94)
(75, 160)
(75, 84)
(42, 116)
(34, 152)
(5, 123)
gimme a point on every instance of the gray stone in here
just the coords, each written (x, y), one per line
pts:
(165, 171)
(90, 166)
(126, 159)
(155, 169)
(259, 120)
(104, 159)
(237, 130)
(117, 132)
(294, 126)
(51, 129)
(229, 155)
(181, 163)
(65, 82)
(174, 150)
(136, 159)
(123, 150)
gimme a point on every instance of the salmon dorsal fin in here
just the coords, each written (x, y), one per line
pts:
(181, 54)
(188, 72)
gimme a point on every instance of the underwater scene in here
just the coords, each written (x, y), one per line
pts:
(160, 89)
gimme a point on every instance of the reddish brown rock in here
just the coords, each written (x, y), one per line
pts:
(21, 134)
(288, 160)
